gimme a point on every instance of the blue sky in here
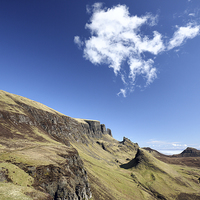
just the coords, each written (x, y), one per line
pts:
(132, 65)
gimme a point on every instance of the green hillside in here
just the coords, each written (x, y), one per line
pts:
(47, 155)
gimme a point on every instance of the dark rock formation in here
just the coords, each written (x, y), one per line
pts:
(68, 181)
(109, 132)
(103, 129)
(129, 144)
(96, 130)
(61, 127)
(134, 162)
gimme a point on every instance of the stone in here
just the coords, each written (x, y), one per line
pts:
(109, 132)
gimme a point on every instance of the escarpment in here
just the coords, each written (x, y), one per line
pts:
(59, 126)
(36, 140)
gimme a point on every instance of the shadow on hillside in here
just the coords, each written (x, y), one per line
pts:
(133, 163)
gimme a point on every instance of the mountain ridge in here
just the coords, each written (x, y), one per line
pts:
(59, 157)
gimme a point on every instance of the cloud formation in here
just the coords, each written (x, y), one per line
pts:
(78, 41)
(166, 145)
(116, 38)
(182, 34)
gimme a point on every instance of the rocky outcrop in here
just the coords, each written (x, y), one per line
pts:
(96, 130)
(61, 127)
(63, 178)
(109, 132)
(47, 134)
(129, 144)
(68, 181)
(31, 123)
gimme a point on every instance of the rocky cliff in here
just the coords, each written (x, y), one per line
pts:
(25, 125)
(56, 124)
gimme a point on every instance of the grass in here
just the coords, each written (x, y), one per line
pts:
(17, 175)
(9, 191)
(35, 155)
(45, 136)
(19, 184)
(83, 121)
(149, 179)
(9, 103)
(110, 179)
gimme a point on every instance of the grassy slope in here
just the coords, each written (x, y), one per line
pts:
(26, 152)
(8, 103)
(150, 179)
(108, 180)
(24, 145)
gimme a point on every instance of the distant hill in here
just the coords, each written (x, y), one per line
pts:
(153, 152)
(45, 155)
(189, 152)
(189, 157)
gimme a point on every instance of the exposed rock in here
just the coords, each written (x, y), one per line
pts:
(103, 129)
(23, 127)
(61, 126)
(69, 180)
(95, 128)
(4, 175)
(37, 160)
(128, 143)
(109, 132)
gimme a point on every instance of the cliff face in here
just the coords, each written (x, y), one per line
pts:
(61, 127)
(56, 124)
(26, 125)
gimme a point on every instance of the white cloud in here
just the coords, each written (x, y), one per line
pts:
(95, 7)
(78, 41)
(192, 14)
(166, 144)
(183, 33)
(116, 38)
(139, 66)
(123, 92)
